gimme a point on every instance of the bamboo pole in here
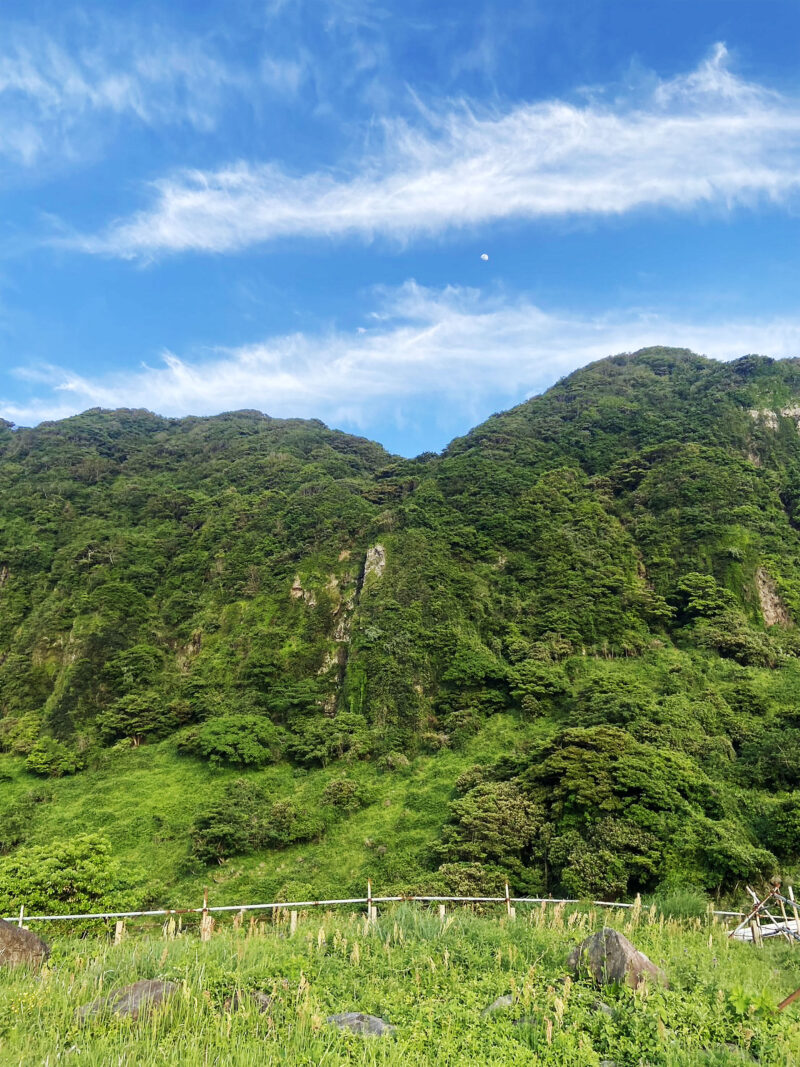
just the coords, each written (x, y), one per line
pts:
(753, 913)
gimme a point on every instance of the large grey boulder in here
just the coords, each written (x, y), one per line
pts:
(131, 1000)
(610, 957)
(359, 1023)
(20, 946)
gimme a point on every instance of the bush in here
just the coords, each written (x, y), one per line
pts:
(246, 818)
(321, 738)
(137, 716)
(494, 822)
(538, 687)
(471, 880)
(78, 874)
(345, 795)
(53, 759)
(19, 734)
(243, 740)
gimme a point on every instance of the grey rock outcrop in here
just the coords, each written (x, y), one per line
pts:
(131, 1000)
(19, 946)
(375, 563)
(609, 956)
(359, 1023)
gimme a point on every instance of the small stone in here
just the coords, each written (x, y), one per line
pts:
(359, 1023)
(131, 1000)
(263, 1001)
(500, 1004)
(601, 1006)
(20, 946)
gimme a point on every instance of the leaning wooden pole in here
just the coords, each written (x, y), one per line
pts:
(789, 1000)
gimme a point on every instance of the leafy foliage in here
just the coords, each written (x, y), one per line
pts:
(613, 565)
(77, 873)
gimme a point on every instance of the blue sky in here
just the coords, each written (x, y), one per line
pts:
(283, 204)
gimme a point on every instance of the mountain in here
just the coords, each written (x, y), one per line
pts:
(564, 651)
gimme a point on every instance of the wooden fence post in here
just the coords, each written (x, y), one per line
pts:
(119, 931)
(292, 923)
(372, 912)
(794, 910)
(510, 910)
(21, 915)
(206, 922)
(442, 911)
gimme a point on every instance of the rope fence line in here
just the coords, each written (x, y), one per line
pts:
(370, 900)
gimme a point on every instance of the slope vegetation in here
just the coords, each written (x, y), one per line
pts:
(564, 651)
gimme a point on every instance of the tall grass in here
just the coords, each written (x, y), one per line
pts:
(430, 979)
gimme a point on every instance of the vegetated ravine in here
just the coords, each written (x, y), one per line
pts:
(563, 652)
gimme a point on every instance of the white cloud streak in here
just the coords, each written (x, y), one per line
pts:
(708, 137)
(57, 92)
(422, 350)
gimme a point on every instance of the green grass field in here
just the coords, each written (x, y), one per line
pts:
(430, 979)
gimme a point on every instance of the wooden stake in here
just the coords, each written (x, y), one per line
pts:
(442, 911)
(508, 901)
(794, 909)
(206, 922)
(119, 931)
(292, 923)
(786, 921)
(21, 915)
(756, 929)
(369, 899)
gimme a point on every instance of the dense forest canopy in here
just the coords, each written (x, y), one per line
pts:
(610, 570)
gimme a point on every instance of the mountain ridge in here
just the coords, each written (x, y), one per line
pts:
(606, 576)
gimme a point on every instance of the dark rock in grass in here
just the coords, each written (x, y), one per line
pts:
(610, 957)
(359, 1023)
(132, 1000)
(20, 946)
(263, 1001)
(499, 1005)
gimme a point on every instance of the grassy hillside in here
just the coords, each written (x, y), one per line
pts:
(269, 655)
(430, 980)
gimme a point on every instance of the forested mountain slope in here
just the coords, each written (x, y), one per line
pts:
(566, 649)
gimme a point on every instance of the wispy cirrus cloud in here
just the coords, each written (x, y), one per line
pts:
(62, 89)
(708, 137)
(454, 351)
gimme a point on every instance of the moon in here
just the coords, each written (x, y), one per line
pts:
(484, 257)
